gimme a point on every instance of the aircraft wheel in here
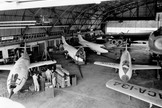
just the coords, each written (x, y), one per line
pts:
(66, 56)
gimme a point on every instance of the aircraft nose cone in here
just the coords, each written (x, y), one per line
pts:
(125, 78)
(10, 93)
(158, 43)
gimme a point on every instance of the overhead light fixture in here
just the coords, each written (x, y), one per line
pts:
(30, 21)
(16, 25)
(20, 27)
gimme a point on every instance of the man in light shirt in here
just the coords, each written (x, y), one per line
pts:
(36, 84)
(49, 75)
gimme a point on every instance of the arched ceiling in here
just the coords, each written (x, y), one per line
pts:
(87, 16)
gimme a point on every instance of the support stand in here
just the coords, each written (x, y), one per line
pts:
(158, 70)
(46, 55)
(130, 98)
(150, 106)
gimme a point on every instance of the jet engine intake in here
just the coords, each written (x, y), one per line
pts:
(120, 41)
(113, 42)
(158, 43)
(117, 42)
(155, 44)
(125, 78)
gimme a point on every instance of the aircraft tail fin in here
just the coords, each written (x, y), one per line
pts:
(63, 40)
(80, 38)
(126, 47)
(24, 46)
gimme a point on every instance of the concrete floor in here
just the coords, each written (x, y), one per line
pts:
(90, 91)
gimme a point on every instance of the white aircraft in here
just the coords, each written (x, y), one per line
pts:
(99, 48)
(19, 72)
(78, 55)
(125, 67)
(155, 41)
(152, 96)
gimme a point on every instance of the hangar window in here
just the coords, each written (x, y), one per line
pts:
(1, 56)
(57, 42)
(11, 53)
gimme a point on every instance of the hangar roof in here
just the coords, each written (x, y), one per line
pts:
(80, 15)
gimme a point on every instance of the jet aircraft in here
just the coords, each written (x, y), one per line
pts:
(152, 96)
(99, 48)
(125, 67)
(153, 35)
(155, 41)
(19, 72)
(78, 55)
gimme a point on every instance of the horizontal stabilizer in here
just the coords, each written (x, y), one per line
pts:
(107, 64)
(42, 63)
(142, 93)
(63, 40)
(145, 67)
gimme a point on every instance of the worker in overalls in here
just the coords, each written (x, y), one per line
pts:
(35, 80)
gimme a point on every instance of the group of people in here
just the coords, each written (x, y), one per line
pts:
(41, 75)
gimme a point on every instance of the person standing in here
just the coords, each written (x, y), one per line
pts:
(49, 75)
(42, 83)
(35, 80)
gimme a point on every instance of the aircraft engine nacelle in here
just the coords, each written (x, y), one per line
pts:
(120, 41)
(155, 43)
(80, 56)
(117, 42)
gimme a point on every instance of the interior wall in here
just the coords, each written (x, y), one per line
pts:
(144, 24)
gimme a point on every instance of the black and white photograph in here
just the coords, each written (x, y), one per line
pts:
(80, 53)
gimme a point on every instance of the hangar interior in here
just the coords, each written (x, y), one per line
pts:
(41, 28)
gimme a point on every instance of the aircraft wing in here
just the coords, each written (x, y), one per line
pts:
(6, 67)
(142, 93)
(107, 64)
(145, 67)
(42, 63)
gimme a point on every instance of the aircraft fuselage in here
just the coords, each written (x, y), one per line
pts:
(93, 46)
(72, 53)
(125, 68)
(18, 74)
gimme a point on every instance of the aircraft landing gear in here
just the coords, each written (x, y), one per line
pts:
(116, 70)
(158, 70)
(157, 59)
(134, 73)
(66, 56)
(150, 106)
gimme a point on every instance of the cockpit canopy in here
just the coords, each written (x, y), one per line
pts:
(125, 66)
